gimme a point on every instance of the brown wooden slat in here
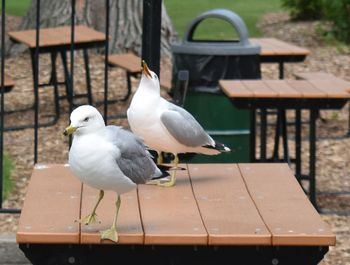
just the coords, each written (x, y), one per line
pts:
(293, 49)
(228, 212)
(234, 88)
(170, 215)
(314, 75)
(51, 207)
(332, 88)
(307, 89)
(127, 61)
(266, 48)
(284, 207)
(279, 48)
(275, 47)
(57, 36)
(129, 225)
(259, 89)
(283, 89)
(8, 82)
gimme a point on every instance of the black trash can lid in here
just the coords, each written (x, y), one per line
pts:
(239, 47)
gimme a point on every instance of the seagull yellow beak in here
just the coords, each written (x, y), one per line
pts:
(69, 130)
(145, 69)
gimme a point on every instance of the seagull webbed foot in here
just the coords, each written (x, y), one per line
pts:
(89, 219)
(110, 234)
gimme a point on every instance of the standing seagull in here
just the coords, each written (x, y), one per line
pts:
(166, 127)
(107, 158)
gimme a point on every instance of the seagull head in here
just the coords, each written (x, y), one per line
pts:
(84, 119)
(149, 78)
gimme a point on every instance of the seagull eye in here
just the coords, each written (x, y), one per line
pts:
(86, 119)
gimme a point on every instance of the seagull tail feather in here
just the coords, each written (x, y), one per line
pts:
(164, 169)
(219, 146)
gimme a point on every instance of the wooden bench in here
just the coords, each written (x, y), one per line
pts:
(131, 63)
(56, 41)
(309, 95)
(8, 84)
(327, 77)
(253, 213)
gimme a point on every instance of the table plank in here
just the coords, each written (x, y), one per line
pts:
(127, 61)
(284, 207)
(170, 215)
(272, 46)
(234, 88)
(129, 225)
(8, 82)
(332, 88)
(283, 89)
(50, 207)
(228, 213)
(306, 89)
(259, 89)
(57, 36)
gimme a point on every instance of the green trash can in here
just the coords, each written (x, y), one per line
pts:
(207, 63)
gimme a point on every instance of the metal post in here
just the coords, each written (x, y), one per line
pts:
(263, 129)
(105, 112)
(2, 109)
(36, 82)
(312, 161)
(285, 135)
(72, 46)
(2, 98)
(152, 18)
(298, 144)
(252, 134)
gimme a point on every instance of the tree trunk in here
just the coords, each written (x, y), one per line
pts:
(125, 22)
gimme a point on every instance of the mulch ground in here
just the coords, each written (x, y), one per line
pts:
(333, 158)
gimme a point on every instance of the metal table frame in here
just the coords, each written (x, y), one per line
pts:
(40, 254)
(281, 105)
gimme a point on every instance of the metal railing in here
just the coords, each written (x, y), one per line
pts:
(150, 53)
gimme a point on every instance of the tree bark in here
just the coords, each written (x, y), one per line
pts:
(125, 22)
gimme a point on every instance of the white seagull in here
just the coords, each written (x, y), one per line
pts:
(107, 158)
(166, 127)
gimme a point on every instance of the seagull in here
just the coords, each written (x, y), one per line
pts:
(107, 158)
(166, 127)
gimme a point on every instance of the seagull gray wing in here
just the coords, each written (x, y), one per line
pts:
(135, 161)
(184, 127)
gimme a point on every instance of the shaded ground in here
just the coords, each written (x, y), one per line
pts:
(333, 156)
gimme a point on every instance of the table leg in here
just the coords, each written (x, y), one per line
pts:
(279, 130)
(252, 135)
(281, 70)
(312, 160)
(87, 74)
(348, 134)
(283, 115)
(128, 82)
(275, 155)
(53, 81)
(69, 91)
(298, 144)
(263, 129)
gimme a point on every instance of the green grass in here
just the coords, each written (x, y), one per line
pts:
(7, 176)
(17, 7)
(183, 12)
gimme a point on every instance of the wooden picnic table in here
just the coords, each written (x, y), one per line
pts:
(131, 64)
(277, 51)
(310, 95)
(8, 83)
(253, 213)
(56, 41)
